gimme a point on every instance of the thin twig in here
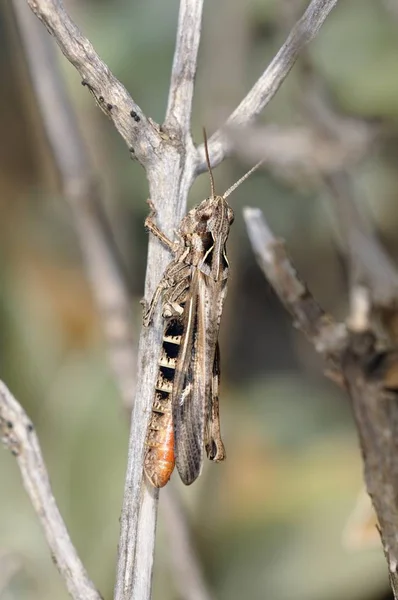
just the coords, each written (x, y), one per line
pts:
(327, 336)
(17, 433)
(112, 97)
(82, 193)
(270, 81)
(179, 108)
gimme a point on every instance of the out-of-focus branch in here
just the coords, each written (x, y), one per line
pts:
(369, 264)
(299, 153)
(370, 268)
(112, 97)
(189, 578)
(372, 379)
(391, 7)
(17, 433)
(327, 336)
(329, 142)
(82, 193)
(361, 358)
(10, 565)
(370, 360)
(270, 81)
(179, 108)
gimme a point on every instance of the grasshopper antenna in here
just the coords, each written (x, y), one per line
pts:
(208, 163)
(241, 180)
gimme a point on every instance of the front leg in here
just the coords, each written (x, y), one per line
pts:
(175, 272)
(153, 228)
(164, 283)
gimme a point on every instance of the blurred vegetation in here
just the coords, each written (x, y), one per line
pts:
(268, 523)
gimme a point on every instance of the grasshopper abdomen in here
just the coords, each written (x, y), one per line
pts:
(159, 458)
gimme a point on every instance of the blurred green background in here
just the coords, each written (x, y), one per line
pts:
(269, 522)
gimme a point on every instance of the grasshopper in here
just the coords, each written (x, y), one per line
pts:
(185, 412)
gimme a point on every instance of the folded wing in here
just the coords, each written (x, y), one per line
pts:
(189, 389)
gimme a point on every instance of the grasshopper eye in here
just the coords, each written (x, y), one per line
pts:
(230, 215)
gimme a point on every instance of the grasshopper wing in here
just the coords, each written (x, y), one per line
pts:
(189, 389)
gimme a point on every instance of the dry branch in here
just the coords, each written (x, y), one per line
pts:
(110, 95)
(270, 81)
(369, 362)
(319, 327)
(82, 193)
(17, 433)
(369, 265)
(361, 358)
(179, 108)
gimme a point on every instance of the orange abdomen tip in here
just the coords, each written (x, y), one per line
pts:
(159, 459)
